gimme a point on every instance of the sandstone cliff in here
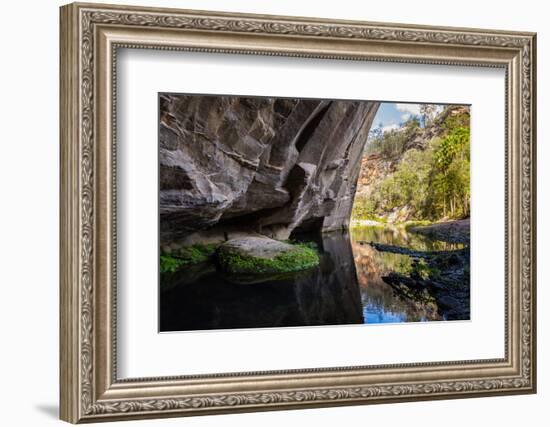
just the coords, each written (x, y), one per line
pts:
(264, 165)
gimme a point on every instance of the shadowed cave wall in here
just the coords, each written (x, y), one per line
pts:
(274, 166)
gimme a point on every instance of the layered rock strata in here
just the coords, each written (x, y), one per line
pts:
(266, 165)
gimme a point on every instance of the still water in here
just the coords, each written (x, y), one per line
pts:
(345, 288)
(379, 302)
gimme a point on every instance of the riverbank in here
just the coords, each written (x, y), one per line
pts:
(457, 231)
(356, 223)
(441, 276)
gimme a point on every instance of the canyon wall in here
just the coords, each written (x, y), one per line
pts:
(266, 165)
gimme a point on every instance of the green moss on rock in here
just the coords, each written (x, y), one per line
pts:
(294, 257)
(188, 255)
(169, 264)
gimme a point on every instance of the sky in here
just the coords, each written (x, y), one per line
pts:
(391, 114)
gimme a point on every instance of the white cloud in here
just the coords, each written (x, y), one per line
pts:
(408, 109)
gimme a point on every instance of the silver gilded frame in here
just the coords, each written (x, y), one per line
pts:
(90, 37)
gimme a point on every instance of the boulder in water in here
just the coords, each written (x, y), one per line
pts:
(262, 255)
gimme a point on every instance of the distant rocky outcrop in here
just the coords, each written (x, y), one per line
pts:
(268, 165)
(375, 167)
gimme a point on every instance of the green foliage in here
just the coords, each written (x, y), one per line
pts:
(421, 269)
(451, 176)
(453, 146)
(364, 208)
(394, 262)
(403, 188)
(433, 183)
(393, 143)
(186, 256)
(303, 256)
(456, 121)
(196, 253)
(169, 264)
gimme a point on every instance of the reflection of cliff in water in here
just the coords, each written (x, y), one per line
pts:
(207, 299)
(381, 304)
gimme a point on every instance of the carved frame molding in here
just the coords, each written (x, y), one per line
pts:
(90, 36)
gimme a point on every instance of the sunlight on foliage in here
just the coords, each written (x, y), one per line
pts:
(432, 183)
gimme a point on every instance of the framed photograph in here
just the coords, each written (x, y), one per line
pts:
(267, 212)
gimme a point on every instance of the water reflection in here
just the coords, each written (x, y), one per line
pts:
(399, 236)
(346, 288)
(380, 303)
(207, 299)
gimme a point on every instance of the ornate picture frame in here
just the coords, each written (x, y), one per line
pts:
(90, 37)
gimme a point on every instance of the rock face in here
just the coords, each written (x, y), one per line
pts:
(268, 165)
(374, 168)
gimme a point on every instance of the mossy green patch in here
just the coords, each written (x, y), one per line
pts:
(169, 264)
(301, 257)
(196, 253)
(188, 255)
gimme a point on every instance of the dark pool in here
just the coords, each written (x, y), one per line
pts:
(346, 288)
